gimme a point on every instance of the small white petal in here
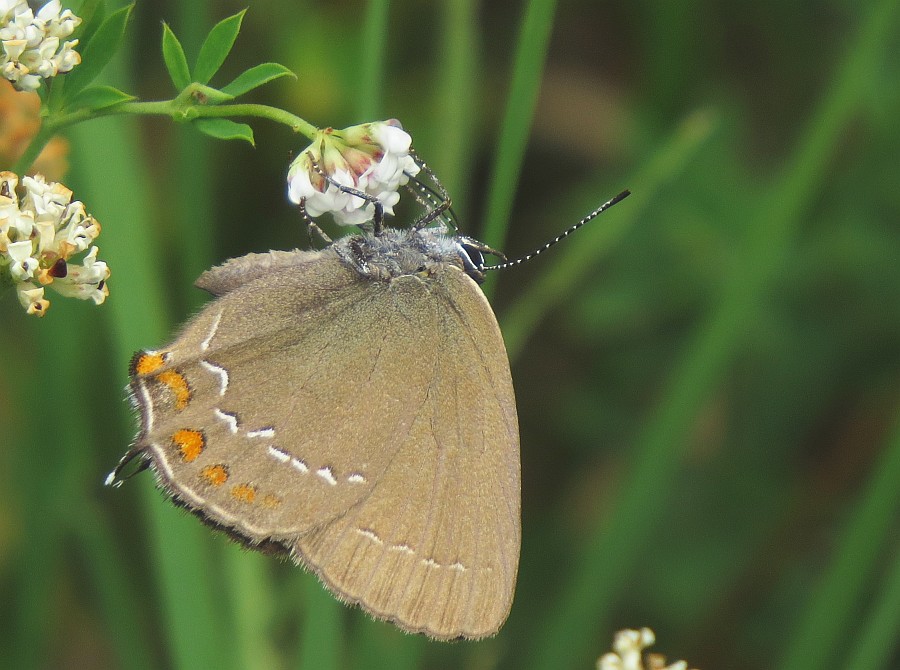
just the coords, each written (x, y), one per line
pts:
(299, 186)
(23, 264)
(32, 298)
(14, 48)
(50, 11)
(355, 217)
(19, 251)
(393, 139)
(387, 168)
(30, 82)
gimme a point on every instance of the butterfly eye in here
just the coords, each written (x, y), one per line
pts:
(471, 257)
(476, 258)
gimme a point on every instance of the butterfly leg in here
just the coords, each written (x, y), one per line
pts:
(377, 218)
(312, 228)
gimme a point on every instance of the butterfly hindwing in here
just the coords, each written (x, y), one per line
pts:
(435, 546)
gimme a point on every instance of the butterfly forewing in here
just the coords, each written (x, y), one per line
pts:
(276, 435)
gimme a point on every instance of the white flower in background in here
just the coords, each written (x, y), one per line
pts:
(629, 646)
(31, 47)
(372, 157)
(41, 228)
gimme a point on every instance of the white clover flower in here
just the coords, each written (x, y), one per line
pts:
(41, 229)
(87, 281)
(31, 48)
(17, 19)
(629, 646)
(372, 157)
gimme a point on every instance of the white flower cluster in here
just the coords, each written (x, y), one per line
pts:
(372, 157)
(629, 646)
(31, 48)
(39, 232)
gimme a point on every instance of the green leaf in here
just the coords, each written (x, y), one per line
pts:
(173, 55)
(98, 97)
(98, 51)
(225, 129)
(216, 47)
(92, 13)
(256, 76)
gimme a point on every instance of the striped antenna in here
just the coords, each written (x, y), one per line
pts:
(602, 208)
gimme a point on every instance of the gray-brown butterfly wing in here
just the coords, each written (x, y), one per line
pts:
(435, 545)
(368, 425)
(278, 406)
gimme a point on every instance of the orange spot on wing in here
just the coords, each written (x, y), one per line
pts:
(190, 443)
(271, 501)
(145, 364)
(177, 385)
(244, 493)
(215, 474)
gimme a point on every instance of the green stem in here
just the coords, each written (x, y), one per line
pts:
(180, 112)
(32, 151)
(175, 109)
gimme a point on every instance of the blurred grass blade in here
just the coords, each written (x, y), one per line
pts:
(457, 101)
(565, 638)
(878, 636)
(382, 645)
(525, 84)
(198, 630)
(118, 600)
(52, 483)
(321, 641)
(192, 179)
(562, 272)
(253, 608)
(832, 611)
(373, 46)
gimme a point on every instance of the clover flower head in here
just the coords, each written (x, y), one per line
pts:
(32, 47)
(628, 653)
(41, 229)
(373, 158)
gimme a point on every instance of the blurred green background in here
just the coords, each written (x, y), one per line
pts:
(707, 376)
